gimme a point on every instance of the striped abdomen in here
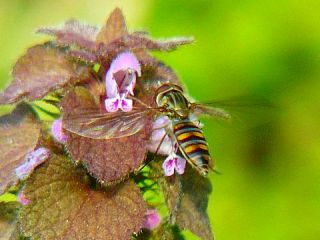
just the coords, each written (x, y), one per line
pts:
(192, 145)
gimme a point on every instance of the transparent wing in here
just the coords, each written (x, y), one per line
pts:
(200, 109)
(242, 111)
(97, 125)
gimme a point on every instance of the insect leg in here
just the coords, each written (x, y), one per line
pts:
(139, 101)
(155, 153)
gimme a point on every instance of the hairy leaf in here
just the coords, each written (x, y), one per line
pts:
(109, 160)
(155, 72)
(192, 213)
(134, 41)
(114, 37)
(42, 69)
(187, 200)
(20, 135)
(73, 32)
(8, 213)
(114, 28)
(64, 206)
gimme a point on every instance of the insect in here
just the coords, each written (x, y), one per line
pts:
(172, 102)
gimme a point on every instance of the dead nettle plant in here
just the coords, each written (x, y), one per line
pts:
(71, 185)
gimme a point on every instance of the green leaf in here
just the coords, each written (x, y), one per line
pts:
(64, 205)
(20, 135)
(8, 213)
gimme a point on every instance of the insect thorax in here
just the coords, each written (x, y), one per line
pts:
(171, 98)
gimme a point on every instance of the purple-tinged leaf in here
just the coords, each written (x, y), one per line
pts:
(19, 136)
(73, 32)
(192, 212)
(108, 160)
(186, 197)
(155, 72)
(41, 70)
(64, 206)
(134, 41)
(83, 56)
(115, 28)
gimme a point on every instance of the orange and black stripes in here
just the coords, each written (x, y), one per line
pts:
(192, 144)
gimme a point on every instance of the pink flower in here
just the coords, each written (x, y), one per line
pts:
(22, 198)
(120, 82)
(158, 133)
(152, 219)
(32, 160)
(57, 131)
(173, 163)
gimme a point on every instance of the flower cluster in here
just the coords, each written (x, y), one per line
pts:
(99, 78)
(162, 144)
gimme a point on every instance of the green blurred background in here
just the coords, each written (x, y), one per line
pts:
(270, 186)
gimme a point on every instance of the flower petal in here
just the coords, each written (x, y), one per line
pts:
(125, 61)
(111, 85)
(168, 166)
(57, 131)
(121, 79)
(112, 104)
(180, 165)
(127, 83)
(20, 134)
(158, 132)
(33, 159)
(166, 146)
(126, 105)
(161, 122)
(152, 219)
(22, 198)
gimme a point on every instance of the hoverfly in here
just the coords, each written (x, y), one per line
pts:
(172, 102)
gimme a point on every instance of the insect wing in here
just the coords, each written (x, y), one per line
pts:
(97, 125)
(243, 112)
(200, 109)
